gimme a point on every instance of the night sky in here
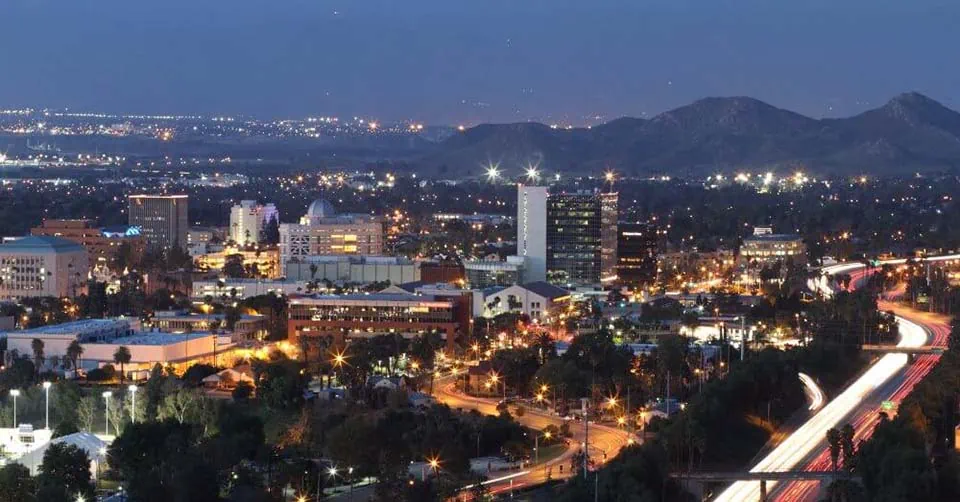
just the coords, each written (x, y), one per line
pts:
(469, 61)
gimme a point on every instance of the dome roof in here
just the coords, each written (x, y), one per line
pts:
(320, 208)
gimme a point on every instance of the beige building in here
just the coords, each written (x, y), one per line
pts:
(162, 219)
(765, 247)
(267, 261)
(42, 266)
(323, 232)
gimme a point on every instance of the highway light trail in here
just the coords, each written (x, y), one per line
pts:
(795, 449)
(816, 395)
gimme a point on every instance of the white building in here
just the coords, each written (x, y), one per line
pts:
(42, 266)
(535, 299)
(245, 288)
(352, 269)
(248, 220)
(100, 339)
(323, 232)
(532, 230)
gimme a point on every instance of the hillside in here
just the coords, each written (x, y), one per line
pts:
(909, 133)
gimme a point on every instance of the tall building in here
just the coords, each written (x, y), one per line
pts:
(323, 232)
(162, 219)
(636, 254)
(42, 266)
(248, 221)
(569, 239)
(609, 215)
(532, 230)
(102, 244)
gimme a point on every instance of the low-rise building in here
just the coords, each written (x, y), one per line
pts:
(324, 232)
(535, 299)
(353, 316)
(767, 248)
(239, 289)
(100, 339)
(492, 271)
(246, 327)
(102, 244)
(352, 269)
(42, 266)
(265, 262)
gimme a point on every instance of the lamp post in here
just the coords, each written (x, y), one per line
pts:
(133, 403)
(106, 413)
(15, 393)
(46, 390)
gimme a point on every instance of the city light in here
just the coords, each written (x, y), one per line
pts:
(532, 174)
(493, 172)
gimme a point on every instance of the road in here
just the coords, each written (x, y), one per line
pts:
(866, 416)
(892, 377)
(604, 442)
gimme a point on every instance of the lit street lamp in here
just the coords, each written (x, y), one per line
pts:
(46, 390)
(106, 412)
(15, 393)
(133, 403)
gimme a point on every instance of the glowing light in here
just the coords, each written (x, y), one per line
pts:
(532, 173)
(493, 172)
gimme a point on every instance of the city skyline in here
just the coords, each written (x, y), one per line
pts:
(431, 62)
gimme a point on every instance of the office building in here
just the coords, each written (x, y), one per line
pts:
(766, 248)
(343, 317)
(609, 215)
(260, 263)
(569, 239)
(491, 271)
(636, 254)
(162, 219)
(42, 266)
(248, 221)
(532, 230)
(246, 327)
(323, 232)
(346, 269)
(102, 244)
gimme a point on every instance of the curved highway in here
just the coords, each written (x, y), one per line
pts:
(891, 378)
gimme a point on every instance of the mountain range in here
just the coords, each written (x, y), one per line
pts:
(910, 133)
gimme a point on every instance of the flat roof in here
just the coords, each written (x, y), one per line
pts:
(41, 243)
(70, 327)
(360, 299)
(152, 338)
(773, 237)
(157, 196)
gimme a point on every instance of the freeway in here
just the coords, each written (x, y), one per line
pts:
(892, 377)
(604, 442)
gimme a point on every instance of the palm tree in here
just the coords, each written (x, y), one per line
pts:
(122, 357)
(37, 345)
(833, 440)
(74, 351)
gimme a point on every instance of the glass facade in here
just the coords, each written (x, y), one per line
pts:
(573, 239)
(636, 254)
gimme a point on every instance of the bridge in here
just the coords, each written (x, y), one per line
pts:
(763, 477)
(893, 349)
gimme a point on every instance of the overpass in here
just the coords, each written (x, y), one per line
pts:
(762, 477)
(893, 349)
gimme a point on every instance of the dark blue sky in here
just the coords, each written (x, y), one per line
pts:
(468, 61)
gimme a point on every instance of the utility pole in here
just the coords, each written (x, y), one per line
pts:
(743, 335)
(586, 438)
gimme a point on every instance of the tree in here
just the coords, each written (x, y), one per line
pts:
(233, 266)
(122, 357)
(37, 345)
(833, 441)
(179, 406)
(65, 474)
(242, 391)
(16, 483)
(87, 413)
(74, 351)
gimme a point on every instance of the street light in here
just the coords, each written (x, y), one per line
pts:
(133, 403)
(46, 390)
(106, 412)
(15, 393)
(493, 172)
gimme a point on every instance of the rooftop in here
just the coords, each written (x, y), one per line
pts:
(545, 289)
(41, 243)
(772, 237)
(153, 338)
(71, 327)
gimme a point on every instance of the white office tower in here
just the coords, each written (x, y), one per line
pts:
(532, 231)
(246, 222)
